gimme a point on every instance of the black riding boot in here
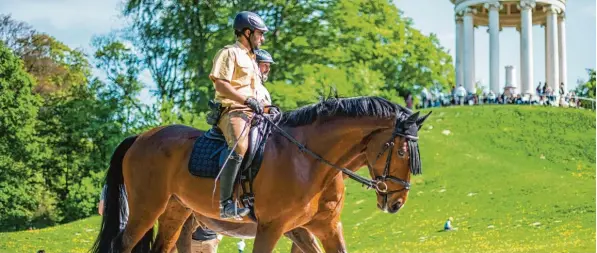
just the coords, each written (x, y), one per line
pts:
(229, 209)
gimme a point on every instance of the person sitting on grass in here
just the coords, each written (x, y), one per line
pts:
(448, 224)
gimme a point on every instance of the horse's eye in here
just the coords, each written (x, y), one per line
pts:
(402, 150)
(401, 153)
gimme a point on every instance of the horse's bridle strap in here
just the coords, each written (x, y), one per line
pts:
(365, 181)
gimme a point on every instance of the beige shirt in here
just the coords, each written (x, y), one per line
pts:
(236, 64)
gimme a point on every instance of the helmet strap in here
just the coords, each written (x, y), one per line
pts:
(249, 40)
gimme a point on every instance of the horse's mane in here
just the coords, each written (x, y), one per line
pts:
(344, 107)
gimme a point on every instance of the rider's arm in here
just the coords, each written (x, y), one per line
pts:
(223, 87)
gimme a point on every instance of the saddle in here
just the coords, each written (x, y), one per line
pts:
(210, 151)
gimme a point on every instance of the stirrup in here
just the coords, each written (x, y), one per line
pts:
(230, 209)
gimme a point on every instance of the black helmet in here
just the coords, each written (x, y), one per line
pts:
(250, 20)
(264, 56)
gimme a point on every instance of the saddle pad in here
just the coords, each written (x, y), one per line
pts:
(205, 157)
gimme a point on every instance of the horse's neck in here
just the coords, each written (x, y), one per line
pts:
(339, 141)
(343, 137)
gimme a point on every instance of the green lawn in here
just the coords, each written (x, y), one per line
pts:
(515, 179)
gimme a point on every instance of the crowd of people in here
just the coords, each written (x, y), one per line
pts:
(544, 95)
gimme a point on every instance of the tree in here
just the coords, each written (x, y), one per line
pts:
(21, 183)
(78, 123)
(12, 31)
(122, 66)
(587, 88)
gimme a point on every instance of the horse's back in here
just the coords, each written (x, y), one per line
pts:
(159, 149)
(172, 133)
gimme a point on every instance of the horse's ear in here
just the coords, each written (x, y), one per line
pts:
(335, 91)
(422, 119)
(412, 119)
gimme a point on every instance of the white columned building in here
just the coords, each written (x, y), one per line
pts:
(519, 14)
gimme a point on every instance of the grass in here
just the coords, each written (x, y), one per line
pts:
(515, 179)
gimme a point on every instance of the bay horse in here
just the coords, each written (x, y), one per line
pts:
(299, 183)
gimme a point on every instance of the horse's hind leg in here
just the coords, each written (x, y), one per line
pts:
(170, 225)
(137, 227)
(144, 211)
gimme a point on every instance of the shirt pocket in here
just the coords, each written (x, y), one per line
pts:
(245, 72)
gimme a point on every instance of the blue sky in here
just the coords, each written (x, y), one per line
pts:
(74, 22)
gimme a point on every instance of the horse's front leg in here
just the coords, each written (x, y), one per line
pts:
(303, 241)
(330, 234)
(326, 223)
(267, 236)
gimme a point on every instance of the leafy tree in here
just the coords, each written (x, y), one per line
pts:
(21, 183)
(587, 88)
(76, 128)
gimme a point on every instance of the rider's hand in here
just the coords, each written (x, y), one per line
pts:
(255, 105)
(273, 110)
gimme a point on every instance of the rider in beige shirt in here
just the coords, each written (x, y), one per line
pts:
(235, 76)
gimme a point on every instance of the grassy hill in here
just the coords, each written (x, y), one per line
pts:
(515, 179)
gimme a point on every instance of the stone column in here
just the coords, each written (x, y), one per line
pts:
(521, 74)
(474, 66)
(469, 50)
(547, 57)
(459, 50)
(526, 47)
(510, 73)
(562, 49)
(494, 45)
(552, 47)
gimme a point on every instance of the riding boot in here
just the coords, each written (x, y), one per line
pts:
(229, 209)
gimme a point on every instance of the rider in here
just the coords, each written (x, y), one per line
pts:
(264, 60)
(235, 76)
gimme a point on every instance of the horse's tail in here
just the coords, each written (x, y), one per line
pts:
(110, 238)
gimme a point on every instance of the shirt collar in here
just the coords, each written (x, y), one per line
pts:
(241, 46)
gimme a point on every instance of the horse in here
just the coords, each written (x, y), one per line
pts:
(299, 183)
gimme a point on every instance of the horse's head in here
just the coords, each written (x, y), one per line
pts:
(392, 155)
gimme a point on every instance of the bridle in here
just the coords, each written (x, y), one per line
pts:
(381, 186)
(380, 181)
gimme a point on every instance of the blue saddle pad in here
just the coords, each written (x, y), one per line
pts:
(209, 152)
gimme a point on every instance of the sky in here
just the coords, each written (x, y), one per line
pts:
(75, 22)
